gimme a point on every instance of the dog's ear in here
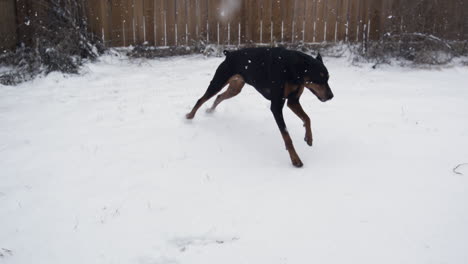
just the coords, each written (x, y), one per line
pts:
(319, 58)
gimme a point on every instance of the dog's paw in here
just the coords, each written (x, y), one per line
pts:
(308, 139)
(297, 162)
(189, 116)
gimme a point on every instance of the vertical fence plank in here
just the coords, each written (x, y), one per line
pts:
(332, 12)
(375, 13)
(454, 29)
(171, 18)
(203, 20)
(314, 20)
(148, 21)
(23, 29)
(425, 8)
(241, 30)
(211, 20)
(309, 20)
(267, 21)
(289, 25)
(463, 19)
(159, 10)
(257, 30)
(353, 16)
(106, 20)
(276, 17)
(129, 22)
(117, 35)
(223, 19)
(190, 8)
(320, 20)
(362, 13)
(462, 22)
(234, 19)
(248, 26)
(438, 19)
(367, 19)
(197, 19)
(130, 34)
(406, 24)
(394, 20)
(94, 16)
(181, 20)
(385, 18)
(299, 21)
(446, 21)
(138, 13)
(342, 20)
(287, 15)
(7, 24)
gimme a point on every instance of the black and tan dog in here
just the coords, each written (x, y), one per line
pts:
(278, 74)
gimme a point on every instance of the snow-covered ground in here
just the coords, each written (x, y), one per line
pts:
(103, 168)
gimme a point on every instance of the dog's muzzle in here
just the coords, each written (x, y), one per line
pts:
(322, 91)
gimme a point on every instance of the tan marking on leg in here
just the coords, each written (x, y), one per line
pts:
(297, 109)
(205, 98)
(301, 90)
(199, 103)
(236, 83)
(296, 161)
(289, 88)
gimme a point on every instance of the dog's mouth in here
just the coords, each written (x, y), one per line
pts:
(322, 92)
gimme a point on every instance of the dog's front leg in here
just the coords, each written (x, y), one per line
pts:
(295, 106)
(277, 110)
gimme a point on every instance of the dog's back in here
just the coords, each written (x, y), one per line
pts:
(258, 67)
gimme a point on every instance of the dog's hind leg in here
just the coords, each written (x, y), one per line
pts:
(219, 81)
(295, 106)
(236, 83)
(277, 110)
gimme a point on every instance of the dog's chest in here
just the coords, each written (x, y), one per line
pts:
(292, 90)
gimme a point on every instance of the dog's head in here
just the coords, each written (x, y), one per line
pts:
(316, 78)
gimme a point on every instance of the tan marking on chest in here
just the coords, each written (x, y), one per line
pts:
(291, 88)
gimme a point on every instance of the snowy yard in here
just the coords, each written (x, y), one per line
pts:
(104, 168)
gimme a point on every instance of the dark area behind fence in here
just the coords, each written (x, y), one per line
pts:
(232, 22)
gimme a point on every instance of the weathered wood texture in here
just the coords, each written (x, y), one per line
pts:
(8, 34)
(234, 22)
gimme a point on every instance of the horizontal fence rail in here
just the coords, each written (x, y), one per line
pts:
(235, 22)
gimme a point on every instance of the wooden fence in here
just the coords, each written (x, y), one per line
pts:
(8, 36)
(234, 22)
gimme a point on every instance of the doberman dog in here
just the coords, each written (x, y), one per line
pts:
(278, 74)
